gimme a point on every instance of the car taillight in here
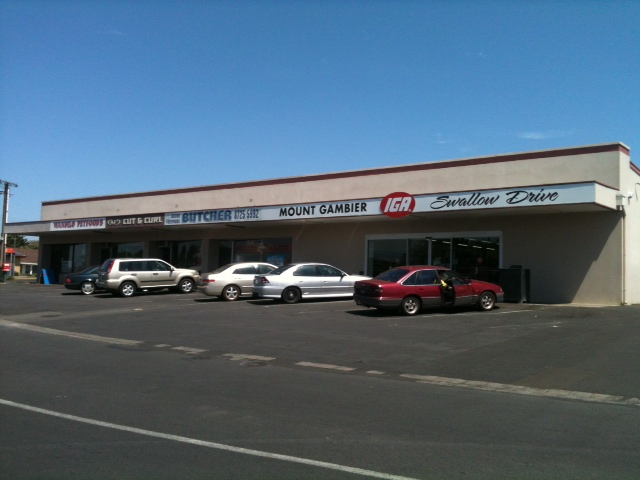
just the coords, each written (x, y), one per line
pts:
(110, 267)
(260, 280)
(208, 280)
(67, 280)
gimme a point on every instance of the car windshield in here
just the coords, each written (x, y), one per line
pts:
(93, 269)
(392, 275)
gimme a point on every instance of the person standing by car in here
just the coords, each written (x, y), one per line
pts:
(448, 292)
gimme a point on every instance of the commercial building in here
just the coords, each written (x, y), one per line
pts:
(568, 220)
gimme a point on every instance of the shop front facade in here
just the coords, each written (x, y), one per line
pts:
(570, 218)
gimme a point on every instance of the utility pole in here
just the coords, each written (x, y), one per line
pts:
(5, 213)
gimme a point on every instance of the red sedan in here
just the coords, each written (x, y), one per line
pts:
(413, 287)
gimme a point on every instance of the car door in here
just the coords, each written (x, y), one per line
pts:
(160, 274)
(334, 281)
(421, 285)
(243, 277)
(307, 279)
(428, 287)
(139, 270)
(462, 289)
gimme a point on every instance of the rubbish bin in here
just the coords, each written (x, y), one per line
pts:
(515, 281)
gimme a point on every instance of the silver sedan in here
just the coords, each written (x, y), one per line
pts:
(233, 281)
(293, 282)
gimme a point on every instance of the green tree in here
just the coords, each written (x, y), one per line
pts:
(17, 241)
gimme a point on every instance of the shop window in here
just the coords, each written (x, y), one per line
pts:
(386, 254)
(276, 251)
(186, 254)
(418, 251)
(440, 252)
(225, 252)
(474, 257)
(68, 258)
(129, 250)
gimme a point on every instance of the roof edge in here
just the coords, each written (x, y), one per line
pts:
(509, 157)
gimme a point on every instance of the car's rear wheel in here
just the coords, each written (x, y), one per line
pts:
(410, 305)
(127, 289)
(87, 288)
(186, 285)
(486, 301)
(231, 293)
(291, 295)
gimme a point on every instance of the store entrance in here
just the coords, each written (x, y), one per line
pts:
(475, 256)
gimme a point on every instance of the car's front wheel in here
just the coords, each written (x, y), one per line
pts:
(87, 288)
(410, 305)
(127, 289)
(486, 301)
(186, 286)
(291, 295)
(230, 293)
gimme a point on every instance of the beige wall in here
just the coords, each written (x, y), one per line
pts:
(573, 258)
(632, 237)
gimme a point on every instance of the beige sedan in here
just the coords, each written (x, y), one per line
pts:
(234, 280)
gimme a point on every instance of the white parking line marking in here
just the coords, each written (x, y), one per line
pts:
(242, 356)
(202, 443)
(189, 349)
(554, 324)
(520, 390)
(62, 333)
(326, 365)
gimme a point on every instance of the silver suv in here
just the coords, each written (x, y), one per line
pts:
(126, 276)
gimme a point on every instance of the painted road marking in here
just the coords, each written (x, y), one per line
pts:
(553, 324)
(326, 366)
(520, 390)
(242, 356)
(213, 445)
(189, 350)
(62, 333)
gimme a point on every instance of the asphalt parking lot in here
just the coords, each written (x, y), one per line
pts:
(569, 348)
(165, 386)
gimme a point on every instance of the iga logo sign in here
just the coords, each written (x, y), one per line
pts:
(397, 204)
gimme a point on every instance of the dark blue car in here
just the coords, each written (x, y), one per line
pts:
(85, 281)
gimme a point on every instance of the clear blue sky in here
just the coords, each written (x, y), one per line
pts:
(107, 97)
